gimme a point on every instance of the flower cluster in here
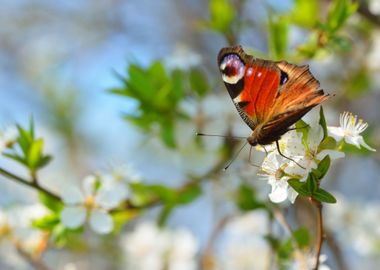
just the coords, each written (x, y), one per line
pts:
(99, 195)
(306, 147)
(149, 247)
(16, 225)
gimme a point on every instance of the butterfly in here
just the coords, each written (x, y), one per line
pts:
(270, 96)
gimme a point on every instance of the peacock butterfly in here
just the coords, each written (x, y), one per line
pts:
(270, 96)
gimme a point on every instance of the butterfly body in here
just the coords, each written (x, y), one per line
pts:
(269, 96)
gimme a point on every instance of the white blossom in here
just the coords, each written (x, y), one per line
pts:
(91, 202)
(349, 130)
(273, 171)
(149, 247)
(16, 225)
(309, 154)
(244, 236)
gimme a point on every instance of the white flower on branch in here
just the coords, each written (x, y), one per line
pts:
(309, 154)
(93, 201)
(272, 170)
(349, 130)
(16, 226)
(149, 247)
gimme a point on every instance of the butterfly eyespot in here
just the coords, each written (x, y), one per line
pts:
(232, 68)
(284, 77)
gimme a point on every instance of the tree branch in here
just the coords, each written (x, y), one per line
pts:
(25, 182)
(364, 11)
(320, 233)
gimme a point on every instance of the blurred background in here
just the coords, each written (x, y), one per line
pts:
(68, 63)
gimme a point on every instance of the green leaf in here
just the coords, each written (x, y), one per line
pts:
(47, 222)
(323, 166)
(304, 128)
(278, 28)
(305, 13)
(302, 237)
(285, 250)
(59, 235)
(163, 192)
(31, 126)
(311, 183)
(340, 43)
(359, 83)
(339, 12)
(16, 157)
(50, 202)
(35, 153)
(246, 198)
(139, 84)
(222, 14)
(327, 143)
(158, 94)
(189, 194)
(322, 123)
(24, 139)
(167, 135)
(324, 196)
(44, 161)
(198, 82)
(300, 187)
(165, 214)
(121, 218)
(157, 73)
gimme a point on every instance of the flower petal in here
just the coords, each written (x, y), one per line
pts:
(279, 191)
(101, 222)
(354, 140)
(89, 185)
(73, 216)
(332, 153)
(292, 194)
(336, 132)
(363, 143)
(110, 197)
(315, 136)
(72, 195)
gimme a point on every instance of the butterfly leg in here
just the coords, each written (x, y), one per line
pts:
(281, 154)
(249, 158)
(266, 152)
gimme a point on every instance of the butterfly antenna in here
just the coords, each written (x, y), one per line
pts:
(221, 136)
(281, 154)
(236, 155)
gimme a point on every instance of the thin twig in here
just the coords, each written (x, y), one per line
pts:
(320, 233)
(337, 251)
(37, 263)
(206, 260)
(281, 219)
(25, 182)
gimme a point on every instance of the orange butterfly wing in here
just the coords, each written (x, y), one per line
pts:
(271, 96)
